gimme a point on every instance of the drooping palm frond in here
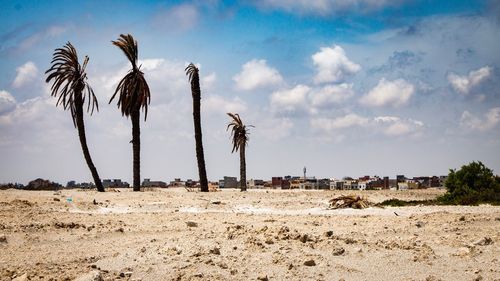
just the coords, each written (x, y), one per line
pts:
(70, 75)
(192, 72)
(239, 131)
(133, 89)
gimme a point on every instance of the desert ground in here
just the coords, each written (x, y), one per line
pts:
(173, 234)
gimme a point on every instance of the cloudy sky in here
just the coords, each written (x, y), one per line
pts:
(344, 87)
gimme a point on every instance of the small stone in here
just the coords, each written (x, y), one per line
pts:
(191, 224)
(263, 278)
(303, 238)
(57, 199)
(462, 218)
(3, 238)
(215, 251)
(23, 277)
(290, 266)
(120, 230)
(338, 251)
(269, 241)
(90, 276)
(329, 233)
(419, 224)
(484, 241)
(309, 263)
(93, 266)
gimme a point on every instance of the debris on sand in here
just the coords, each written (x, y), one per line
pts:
(191, 224)
(349, 201)
(309, 263)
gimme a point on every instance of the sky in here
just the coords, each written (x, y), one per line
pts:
(342, 87)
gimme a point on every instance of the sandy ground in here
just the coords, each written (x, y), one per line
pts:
(229, 235)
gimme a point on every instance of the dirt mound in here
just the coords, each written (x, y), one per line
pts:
(349, 201)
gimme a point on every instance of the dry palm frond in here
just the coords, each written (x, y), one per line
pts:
(70, 75)
(239, 131)
(349, 201)
(192, 72)
(133, 88)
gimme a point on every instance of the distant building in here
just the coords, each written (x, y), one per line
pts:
(115, 183)
(253, 183)
(177, 182)
(324, 184)
(228, 182)
(150, 183)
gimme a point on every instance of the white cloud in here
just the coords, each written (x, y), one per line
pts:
(472, 122)
(395, 126)
(166, 79)
(290, 100)
(7, 102)
(208, 81)
(326, 7)
(273, 129)
(395, 93)
(331, 94)
(218, 104)
(332, 65)
(349, 120)
(26, 74)
(463, 84)
(178, 18)
(257, 74)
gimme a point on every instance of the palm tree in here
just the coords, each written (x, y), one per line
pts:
(193, 73)
(134, 94)
(70, 83)
(239, 135)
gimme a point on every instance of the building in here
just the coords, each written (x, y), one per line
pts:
(324, 184)
(115, 183)
(150, 183)
(253, 183)
(228, 182)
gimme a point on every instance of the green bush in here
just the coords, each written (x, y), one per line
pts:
(471, 185)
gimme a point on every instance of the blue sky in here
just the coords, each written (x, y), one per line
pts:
(344, 87)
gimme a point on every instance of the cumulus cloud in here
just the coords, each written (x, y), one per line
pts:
(326, 7)
(208, 81)
(290, 100)
(7, 102)
(178, 18)
(257, 74)
(331, 124)
(395, 93)
(218, 104)
(166, 79)
(472, 122)
(332, 65)
(395, 126)
(331, 94)
(463, 84)
(388, 125)
(273, 129)
(26, 74)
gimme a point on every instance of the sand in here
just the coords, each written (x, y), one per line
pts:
(229, 235)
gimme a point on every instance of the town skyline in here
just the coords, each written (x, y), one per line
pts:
(368, 87)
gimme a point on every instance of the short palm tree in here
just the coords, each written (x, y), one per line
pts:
(70, 84)
(193, 73)
(239, 135)
(134, 94)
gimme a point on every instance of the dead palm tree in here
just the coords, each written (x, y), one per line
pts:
(70, 83)
(133, 94)
(239, 135)
(193, 73)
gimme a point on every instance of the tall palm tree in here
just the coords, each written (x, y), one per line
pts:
(193, 73)
(133, 94)
(239, 135)
(70, 83)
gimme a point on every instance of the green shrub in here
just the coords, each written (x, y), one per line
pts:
(471, 185)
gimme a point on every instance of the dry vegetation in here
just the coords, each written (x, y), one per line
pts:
(229, 235)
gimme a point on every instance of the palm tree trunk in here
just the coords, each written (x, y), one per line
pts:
(136, 147)
(198, 138)
(83, 142)
(243, 169)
